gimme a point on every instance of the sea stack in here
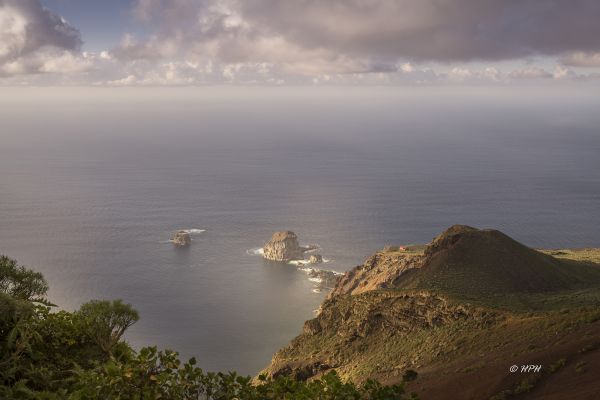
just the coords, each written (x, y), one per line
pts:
(283, 247)
(182, 239)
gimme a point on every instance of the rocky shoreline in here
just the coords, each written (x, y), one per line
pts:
(285, 247)
(323, 279)
(434, 310)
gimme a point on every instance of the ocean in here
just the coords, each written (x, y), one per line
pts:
(94, 181)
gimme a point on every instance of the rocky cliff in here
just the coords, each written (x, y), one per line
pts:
(379, 271)
(459, 311)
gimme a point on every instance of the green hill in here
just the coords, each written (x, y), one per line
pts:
(488, 267)
(459, 311)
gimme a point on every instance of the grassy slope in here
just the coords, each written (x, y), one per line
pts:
(463, 354)
(489, 268)
(478, 369)
(538, 307)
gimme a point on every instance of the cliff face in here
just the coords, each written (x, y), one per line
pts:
(365, 334)
(471, 300)
(379, 271)
(283, 247)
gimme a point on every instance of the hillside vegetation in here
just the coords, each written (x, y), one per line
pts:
(460, 311)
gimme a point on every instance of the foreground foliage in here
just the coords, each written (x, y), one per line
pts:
(80, 355)
(160, 375)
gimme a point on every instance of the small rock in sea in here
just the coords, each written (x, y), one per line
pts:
(315, 259)
(182, 238)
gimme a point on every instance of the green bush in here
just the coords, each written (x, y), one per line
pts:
(47, 355)
(20, 282)
(154, 374)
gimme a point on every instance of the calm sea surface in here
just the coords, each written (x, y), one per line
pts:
(93, 182)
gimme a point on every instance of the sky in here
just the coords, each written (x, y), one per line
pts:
(301, 42)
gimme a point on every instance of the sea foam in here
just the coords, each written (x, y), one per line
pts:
(194, 231)
(258, 251)
(301, 263)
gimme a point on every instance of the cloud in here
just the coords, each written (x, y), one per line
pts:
(421, 42)
(153, 48)
(48, 61)
(563, 73)
(530, 73)
(315, 38)
(67, 62)
(582, 59)
(433, 30)
(33, 39)
(186, 73)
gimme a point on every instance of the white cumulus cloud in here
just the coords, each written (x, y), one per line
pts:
(33, 39)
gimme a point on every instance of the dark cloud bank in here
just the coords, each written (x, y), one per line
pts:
(434, 30)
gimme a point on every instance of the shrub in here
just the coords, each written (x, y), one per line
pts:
(74, 356)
